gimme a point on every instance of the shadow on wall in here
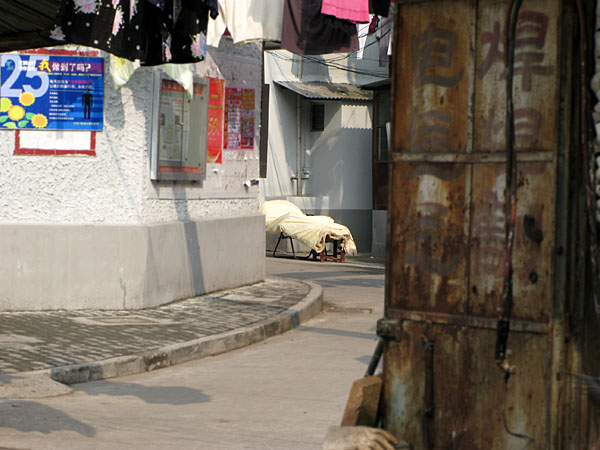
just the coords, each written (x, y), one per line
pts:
(340, 171)
(144, 103)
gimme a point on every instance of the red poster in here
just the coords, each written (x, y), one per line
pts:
(214, 139)
(239, 119)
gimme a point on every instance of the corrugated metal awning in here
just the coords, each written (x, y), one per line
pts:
(327, 91)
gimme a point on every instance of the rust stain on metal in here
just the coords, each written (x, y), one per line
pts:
(469, 395)
(533, 282)
(446, 227)
(427, 227)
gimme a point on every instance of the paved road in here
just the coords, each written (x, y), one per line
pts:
(279, 394)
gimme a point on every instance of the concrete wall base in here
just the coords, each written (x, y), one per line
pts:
(49, 267)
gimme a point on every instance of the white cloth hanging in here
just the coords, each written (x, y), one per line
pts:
(247, 20)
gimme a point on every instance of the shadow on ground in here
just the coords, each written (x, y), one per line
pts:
(164, 395)
(28, 416)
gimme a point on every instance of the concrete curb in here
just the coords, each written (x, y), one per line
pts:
(179, 353)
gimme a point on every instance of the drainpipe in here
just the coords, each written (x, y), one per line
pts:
(299, 145)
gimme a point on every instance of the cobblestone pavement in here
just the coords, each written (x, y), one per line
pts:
(45, 340)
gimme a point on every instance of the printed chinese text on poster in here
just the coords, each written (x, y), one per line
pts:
(214, 140)
(239, 119)
(51, 92)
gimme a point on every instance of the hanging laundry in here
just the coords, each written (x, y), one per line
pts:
(386, 29)
(363, 33)
(247, 20)
(379, 7)
(308, 32)
(121, 70)
(184, 75)
(151, 31)
(355, 11)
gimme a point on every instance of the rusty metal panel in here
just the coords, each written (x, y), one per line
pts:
(427, 228)
(433, 113)
(446, 228)
(535, 81)
(534, 241)
(469, 394)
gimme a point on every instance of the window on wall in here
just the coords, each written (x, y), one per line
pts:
(179, 130)
(317, 117)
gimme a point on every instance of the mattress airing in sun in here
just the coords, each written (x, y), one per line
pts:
(312, 231)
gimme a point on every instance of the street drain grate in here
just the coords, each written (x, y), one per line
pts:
(122, 320)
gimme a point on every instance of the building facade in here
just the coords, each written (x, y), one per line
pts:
(320, 135)
(87, 222)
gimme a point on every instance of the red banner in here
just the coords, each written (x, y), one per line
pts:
(214, 139)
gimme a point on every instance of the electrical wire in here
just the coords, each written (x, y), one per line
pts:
(333, 61)
(336, 66)
(510, 199)
(587, 150)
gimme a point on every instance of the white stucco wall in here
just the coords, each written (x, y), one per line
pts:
(81, 231)
(114, 187)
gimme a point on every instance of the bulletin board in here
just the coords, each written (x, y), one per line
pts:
(239, 118)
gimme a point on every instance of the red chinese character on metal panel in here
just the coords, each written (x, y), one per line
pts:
(429, 131)
(490, 232)
(528, 124)
(530, 43)
(433, 52)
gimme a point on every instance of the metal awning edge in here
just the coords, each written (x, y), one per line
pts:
(326, 91)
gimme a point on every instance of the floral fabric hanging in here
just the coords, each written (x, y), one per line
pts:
(151, 31)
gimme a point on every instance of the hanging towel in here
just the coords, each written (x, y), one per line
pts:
(247, 20)
(363, 33)
(308, 32)
(356, 11)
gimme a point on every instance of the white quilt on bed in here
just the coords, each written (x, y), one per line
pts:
(312, 231)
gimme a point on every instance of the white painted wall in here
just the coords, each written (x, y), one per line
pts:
(281, 160)
(83, 231)
(338, 158)
(114, 187)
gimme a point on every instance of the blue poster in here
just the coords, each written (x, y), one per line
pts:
(51, 92)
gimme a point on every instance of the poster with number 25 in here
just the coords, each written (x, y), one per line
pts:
(48, 92)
